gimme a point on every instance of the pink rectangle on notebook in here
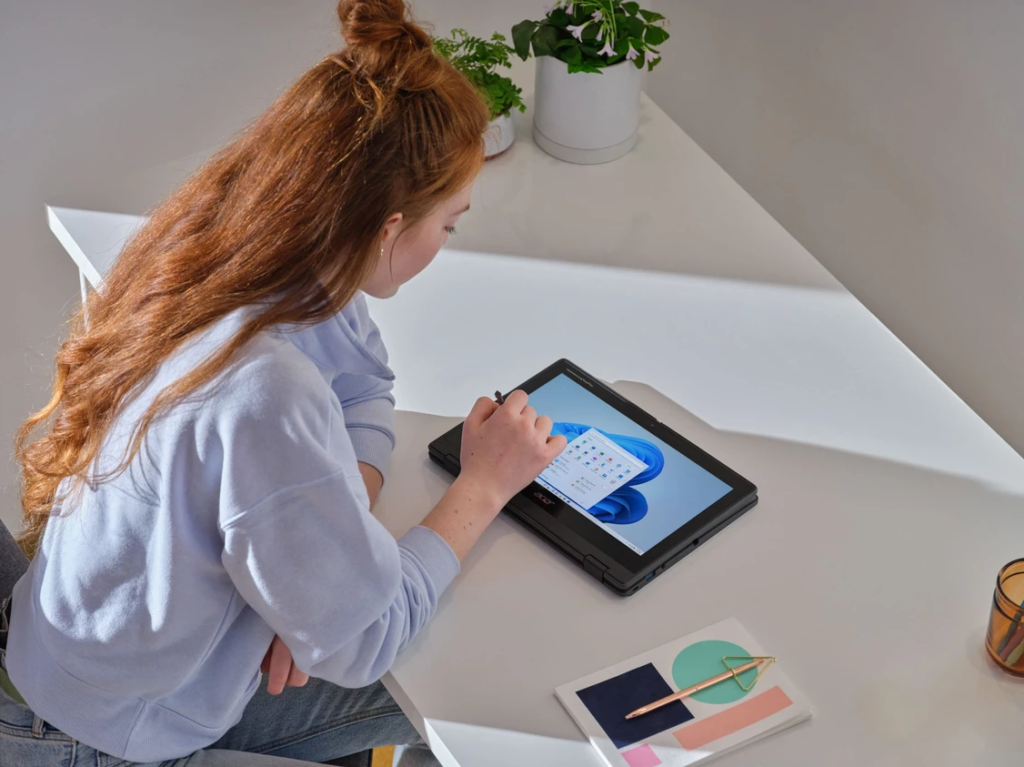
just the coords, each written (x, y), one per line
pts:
(734, 718)
(641, 756)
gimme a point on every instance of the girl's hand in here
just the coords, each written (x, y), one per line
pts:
(505, 447)
(278, 664)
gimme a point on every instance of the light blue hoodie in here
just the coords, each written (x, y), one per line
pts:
(140, 626)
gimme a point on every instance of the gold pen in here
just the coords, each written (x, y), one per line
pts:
(731, 674)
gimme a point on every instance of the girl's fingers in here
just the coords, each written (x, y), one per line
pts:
(482, 410)
(556, 444)
(280, 666)
(516, 401)
(296, 678)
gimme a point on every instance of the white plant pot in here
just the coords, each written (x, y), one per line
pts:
(501, 132)
(584, 117)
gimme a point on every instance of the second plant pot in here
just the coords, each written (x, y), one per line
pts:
(584, 117)
(501, 132)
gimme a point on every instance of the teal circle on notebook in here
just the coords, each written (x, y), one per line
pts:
(703, 660)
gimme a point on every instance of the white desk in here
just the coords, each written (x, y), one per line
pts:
(886, 506)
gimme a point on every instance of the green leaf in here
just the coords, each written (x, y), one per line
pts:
(655, 36)
(651, 16)
(635, 27)
(545, 40)
(558, 17)
(521, 36)
(500, 93)
(584, 66)
(566, 43)
(471, 54)
(632, 8)
(638, 62)
(590, 33)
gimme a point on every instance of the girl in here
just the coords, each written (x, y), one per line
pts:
(201, 479)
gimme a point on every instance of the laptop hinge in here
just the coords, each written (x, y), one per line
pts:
(594, 567)
(452, 464)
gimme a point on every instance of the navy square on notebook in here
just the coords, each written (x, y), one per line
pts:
(609, 702)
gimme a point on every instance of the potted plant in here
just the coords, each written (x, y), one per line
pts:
(477, 59)
(590, 56)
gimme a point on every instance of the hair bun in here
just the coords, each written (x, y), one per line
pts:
(378, 32)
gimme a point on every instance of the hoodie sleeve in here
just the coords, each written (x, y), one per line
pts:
(366, 398)
(342, 594)
(303, 550)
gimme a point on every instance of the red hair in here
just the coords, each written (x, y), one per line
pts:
(290, 215)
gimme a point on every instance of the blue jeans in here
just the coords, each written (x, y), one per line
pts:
(315, 723)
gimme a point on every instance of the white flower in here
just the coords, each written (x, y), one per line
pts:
(650, 56)
(631, 53)
(577, 32)
(597, 15)
(607, 50)
(600, 33)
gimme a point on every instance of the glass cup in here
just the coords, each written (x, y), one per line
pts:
(1005, 638)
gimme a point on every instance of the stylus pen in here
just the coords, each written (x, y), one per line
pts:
(697, 688)
(499, 398)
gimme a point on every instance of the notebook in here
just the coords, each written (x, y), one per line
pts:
(707, 725)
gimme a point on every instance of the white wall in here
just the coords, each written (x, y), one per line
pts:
(888, 137)
(109, 104)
